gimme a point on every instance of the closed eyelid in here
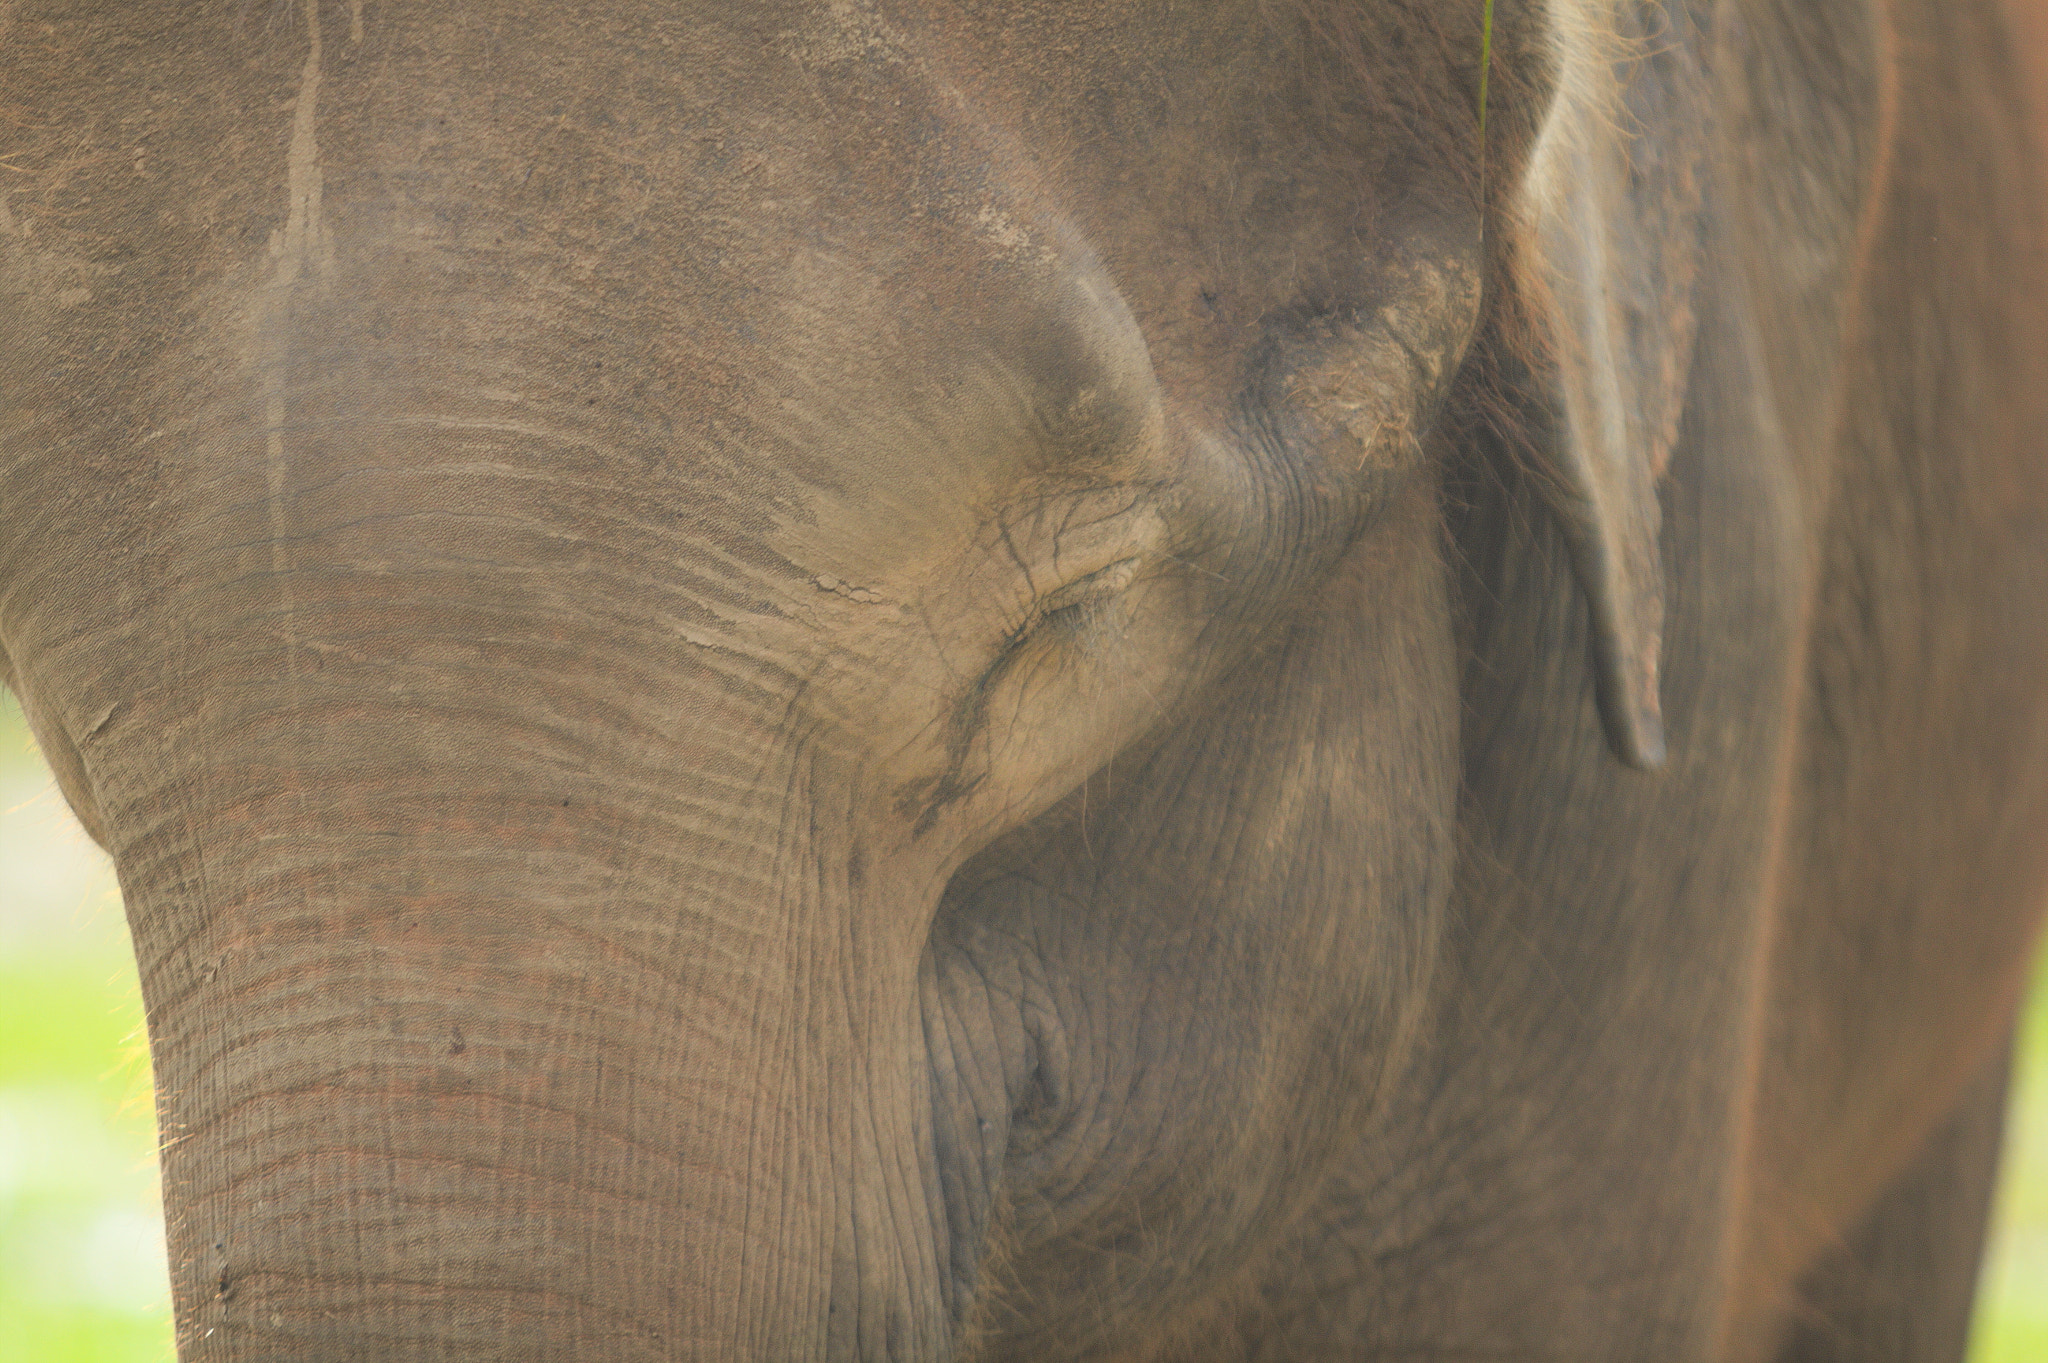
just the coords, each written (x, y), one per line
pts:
(1103, 581)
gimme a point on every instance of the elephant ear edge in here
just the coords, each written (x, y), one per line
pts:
(1608, 257)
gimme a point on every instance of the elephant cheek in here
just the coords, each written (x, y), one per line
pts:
(511, 1080)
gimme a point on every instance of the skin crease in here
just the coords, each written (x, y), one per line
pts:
(913, 681)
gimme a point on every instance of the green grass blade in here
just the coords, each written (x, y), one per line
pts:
(1485, 67)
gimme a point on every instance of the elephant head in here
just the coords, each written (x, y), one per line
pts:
(783, 681)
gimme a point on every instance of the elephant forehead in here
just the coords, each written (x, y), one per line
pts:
(742, 272)
(785, 247)
(790, 291)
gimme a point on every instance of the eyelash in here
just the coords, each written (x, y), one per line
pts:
(1069, 607)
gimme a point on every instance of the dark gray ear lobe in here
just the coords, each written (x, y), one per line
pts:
(1610, 258)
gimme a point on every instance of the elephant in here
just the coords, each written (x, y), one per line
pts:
(1023, 679)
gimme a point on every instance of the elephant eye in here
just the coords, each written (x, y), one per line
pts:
(1074, 604)
(1068, 559)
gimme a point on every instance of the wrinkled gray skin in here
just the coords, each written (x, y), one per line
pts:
(909, 681)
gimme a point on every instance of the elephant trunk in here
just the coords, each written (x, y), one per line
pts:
(474, 1040)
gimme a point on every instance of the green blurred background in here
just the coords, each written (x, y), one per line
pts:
(82, 1276)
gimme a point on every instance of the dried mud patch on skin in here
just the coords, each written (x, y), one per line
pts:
(825, 582)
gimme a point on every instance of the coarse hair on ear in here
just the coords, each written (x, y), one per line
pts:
(1607, 257)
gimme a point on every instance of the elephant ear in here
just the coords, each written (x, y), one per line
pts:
(1610, 257)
